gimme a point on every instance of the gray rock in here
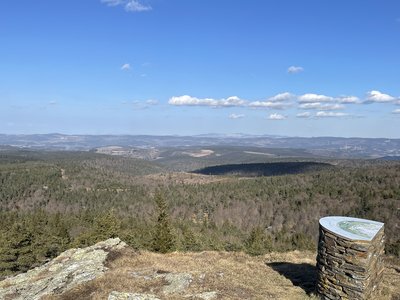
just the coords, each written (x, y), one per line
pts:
(206, 295)
(144, 275)
(66, 271)
(129, 296)
(177, 283)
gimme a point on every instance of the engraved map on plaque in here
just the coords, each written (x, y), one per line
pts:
(352, 228)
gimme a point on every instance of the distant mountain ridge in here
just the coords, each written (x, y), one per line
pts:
(325, 146)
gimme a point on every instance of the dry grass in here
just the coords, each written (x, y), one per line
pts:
(232, 275)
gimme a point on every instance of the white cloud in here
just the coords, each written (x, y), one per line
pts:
(349, 100)
(309, 98)
(308, 101)
(113, 2)
(396, 111)
(190, 101)
(329, 114)
(152, 102)
(321, 106)
(231, 101)
(378, 97)
(269, 104)
(274, 102)
(129, 5)
(187, 100)
(236, 116)
(276, 117)
(125, 67)
(140, 104)
(134, 5)
(294, 70)
(281, 97)
(304, 115)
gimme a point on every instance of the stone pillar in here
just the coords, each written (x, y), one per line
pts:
(349, 261)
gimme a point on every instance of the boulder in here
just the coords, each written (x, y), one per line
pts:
(130, 296)
(177, 283)
(63, 273)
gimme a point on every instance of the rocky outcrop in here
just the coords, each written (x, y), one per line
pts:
(203, 296)
(348, 268)
(135, 296)
(177, 283)
(143, 275)
(66, 271)
(129, 296)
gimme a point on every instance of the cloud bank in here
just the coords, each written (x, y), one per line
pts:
(323, 105)
(279, 101)
(187, 100)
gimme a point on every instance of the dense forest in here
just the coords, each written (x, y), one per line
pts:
(263, 169)
(51, 201)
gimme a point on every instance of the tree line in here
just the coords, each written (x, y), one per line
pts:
(49, 205)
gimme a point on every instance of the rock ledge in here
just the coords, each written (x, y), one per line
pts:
(66, 271)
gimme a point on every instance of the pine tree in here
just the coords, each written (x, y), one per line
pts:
(16, 253)
(107, 225)
(190, 241)
(58, 238)
(258, 242)
(163, 237)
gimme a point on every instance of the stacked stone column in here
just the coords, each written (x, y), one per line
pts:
(348, 268)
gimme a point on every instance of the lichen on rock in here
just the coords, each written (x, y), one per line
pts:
(63, 273)
(177, 283)
(130, 296)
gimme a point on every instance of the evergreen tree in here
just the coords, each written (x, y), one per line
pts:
(258, 242)
(107, 225)
(58, 238)
(163, 237)
(16, 253)
(190, 241)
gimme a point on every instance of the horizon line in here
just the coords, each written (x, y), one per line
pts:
(210, 135)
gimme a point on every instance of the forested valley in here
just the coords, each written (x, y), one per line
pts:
(52, 201)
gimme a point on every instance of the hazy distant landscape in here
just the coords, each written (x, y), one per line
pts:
(205, 134)
(220, 193)
(154, 147)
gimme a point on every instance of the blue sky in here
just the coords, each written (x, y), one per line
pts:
(297, 68)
